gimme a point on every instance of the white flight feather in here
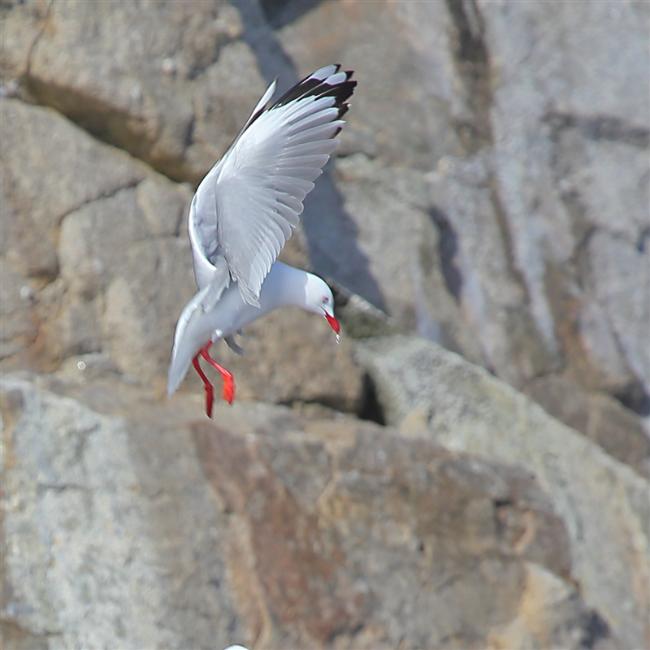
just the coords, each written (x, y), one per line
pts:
(249, 203)
(247, 206)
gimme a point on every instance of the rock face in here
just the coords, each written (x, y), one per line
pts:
(76, 479)
(514, 214)
(487, 160)
(483, 157)
(104, 267)
(91, 244)
(424, 388)
(155, 90)
(149, 531)
(490, 193)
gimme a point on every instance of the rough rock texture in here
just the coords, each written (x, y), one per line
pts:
(91, 244)
(109, 536)
(167, 81)
(282, 365)
(424, 388)
(600, 417)
(96, 260)
(493, 136)
(490, 192)
(393, 139)
(147, 531)
(477, 198)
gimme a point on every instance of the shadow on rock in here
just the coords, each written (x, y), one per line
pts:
(330, 231)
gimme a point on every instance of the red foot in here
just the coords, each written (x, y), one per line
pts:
(228, 392)
(209, 388)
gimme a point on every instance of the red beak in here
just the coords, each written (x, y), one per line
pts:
(334, 324)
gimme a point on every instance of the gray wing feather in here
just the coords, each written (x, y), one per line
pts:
(214, 276)
(250, 202)
(209, 266)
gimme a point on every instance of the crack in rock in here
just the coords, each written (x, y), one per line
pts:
(599, 127)
(37, 38)
(100, 197)
(448, 253)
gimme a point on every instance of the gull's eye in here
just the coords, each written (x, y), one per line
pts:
(325, 300)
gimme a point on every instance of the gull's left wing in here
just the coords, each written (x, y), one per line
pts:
(250, 202)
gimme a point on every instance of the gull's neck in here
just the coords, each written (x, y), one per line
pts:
(285, 285)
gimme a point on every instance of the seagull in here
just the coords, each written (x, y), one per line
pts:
(243, 213)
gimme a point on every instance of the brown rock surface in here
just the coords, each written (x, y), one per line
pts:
(148, 77)
(599, 417)
(423, 388)
(490, 158)
(104, 267)
(135, 526)
(513, 239)
(491, 192)
(292, 356)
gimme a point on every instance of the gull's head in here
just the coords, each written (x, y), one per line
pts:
(319, 300)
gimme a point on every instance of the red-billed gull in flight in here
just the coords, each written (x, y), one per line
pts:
(245, 210)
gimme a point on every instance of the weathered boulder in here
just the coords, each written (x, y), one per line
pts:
(426, 389)
(166, 81)
(50, 169)
(292, 356)
(600, 417)
(566, 116)
(477, 199)
(97, 244)
(104, 543)
(404, 69)
(104, 267)
(17, 329)
(483, 184)
(491, 192)
(127, 523)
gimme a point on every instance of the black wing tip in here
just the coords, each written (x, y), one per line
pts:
(341, 92)
(301, 89)
(311, 86)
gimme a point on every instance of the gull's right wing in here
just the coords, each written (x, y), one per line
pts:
(247, 206)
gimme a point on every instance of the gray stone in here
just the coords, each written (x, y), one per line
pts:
(620, 276)
(49, 169)
(600, 417)
(402, 56)
(562, 131)
(425, 389)
(149, 78)
(103, 542)
(478, 196)
(491, 193)
(21, 25)
(112, 220)
(17, 329)
(124, 522)
(123, 273)
(520, 144)
(142, 304)
(291, 356)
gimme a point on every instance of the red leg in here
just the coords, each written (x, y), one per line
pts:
(226, 375)
(209, 388)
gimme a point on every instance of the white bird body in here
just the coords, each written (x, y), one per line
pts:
(242, 214)
(284, 286)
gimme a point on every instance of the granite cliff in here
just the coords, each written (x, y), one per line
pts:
(469, 469)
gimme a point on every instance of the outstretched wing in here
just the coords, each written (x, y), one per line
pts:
(250, 202)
